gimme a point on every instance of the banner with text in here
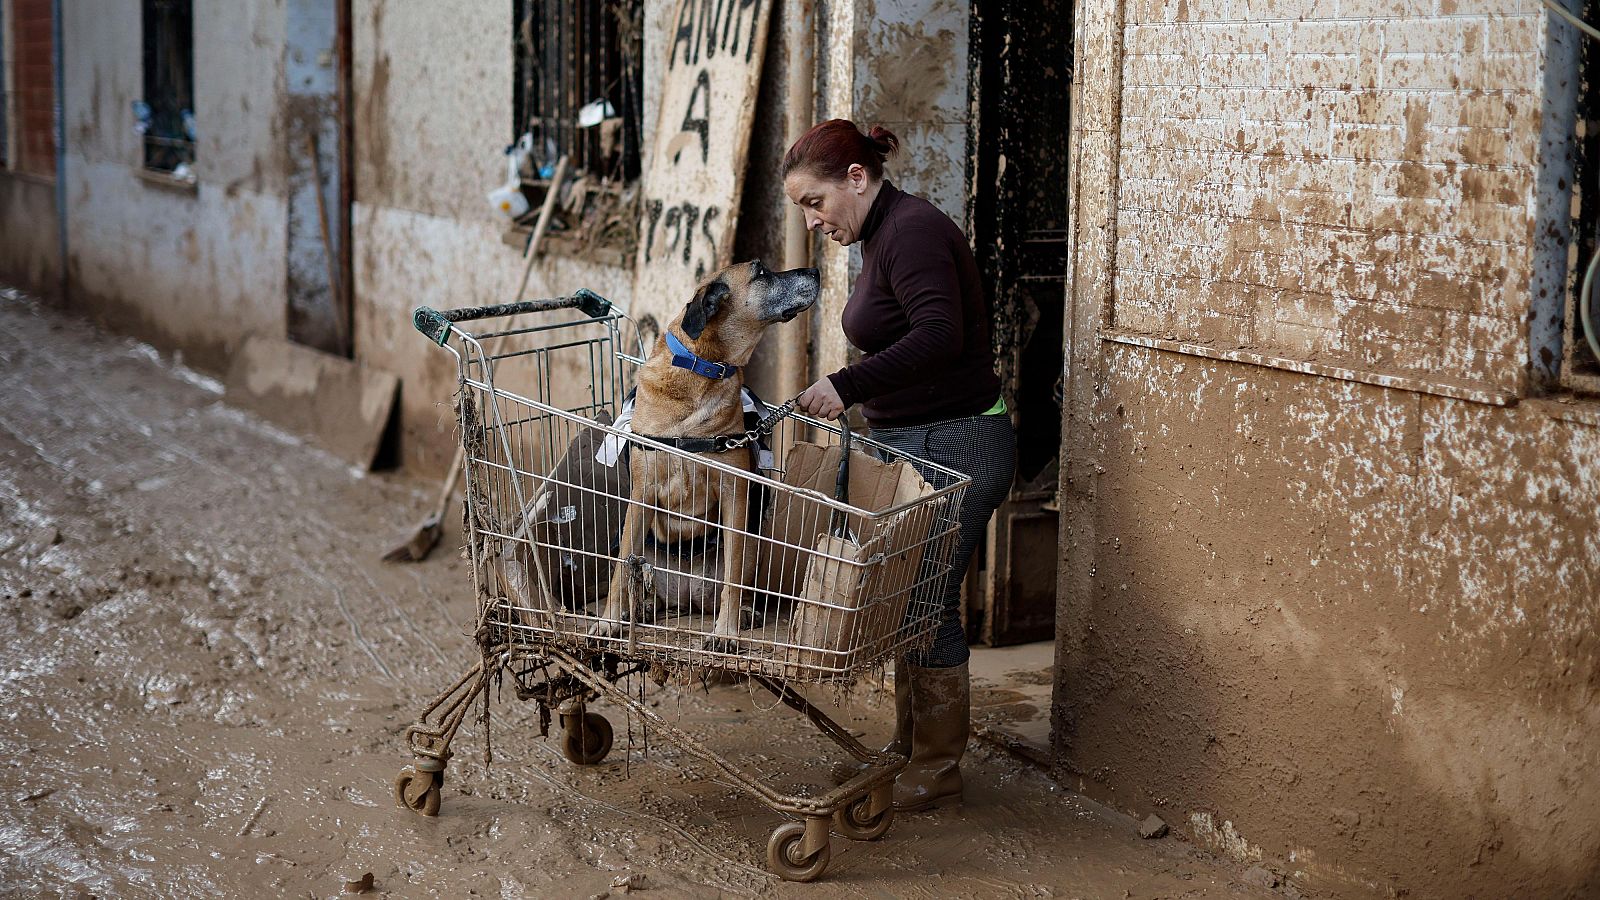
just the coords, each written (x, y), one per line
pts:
(691, 190)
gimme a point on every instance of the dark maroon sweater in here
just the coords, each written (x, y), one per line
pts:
(919, 314)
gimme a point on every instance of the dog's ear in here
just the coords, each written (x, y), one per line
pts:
(704, 307)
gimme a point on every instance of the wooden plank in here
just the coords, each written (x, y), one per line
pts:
(695, 178)
(342, 406)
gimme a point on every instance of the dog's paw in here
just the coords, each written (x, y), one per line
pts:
(607, 628)
(718, 643)
(751, 617)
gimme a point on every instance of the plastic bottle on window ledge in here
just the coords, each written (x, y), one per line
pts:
(508, 198)
(594, 113)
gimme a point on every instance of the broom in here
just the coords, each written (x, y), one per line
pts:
(422, 541)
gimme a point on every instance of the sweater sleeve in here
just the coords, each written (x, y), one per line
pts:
(922, 274)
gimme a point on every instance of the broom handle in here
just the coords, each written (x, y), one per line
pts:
(450, 481)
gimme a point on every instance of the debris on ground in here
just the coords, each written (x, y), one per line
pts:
(627, 884)
(1152, 827)
(42, 538)
(1260, 876)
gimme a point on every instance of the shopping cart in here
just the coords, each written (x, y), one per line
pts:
(828, 588)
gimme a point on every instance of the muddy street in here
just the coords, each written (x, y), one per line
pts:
(208, 673)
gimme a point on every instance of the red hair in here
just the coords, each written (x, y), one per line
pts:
(830, 149)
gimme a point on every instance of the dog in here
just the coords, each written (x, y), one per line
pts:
(688, 391)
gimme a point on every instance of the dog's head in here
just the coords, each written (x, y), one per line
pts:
(739, 302)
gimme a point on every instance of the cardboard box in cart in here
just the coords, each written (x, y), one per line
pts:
(852, 589)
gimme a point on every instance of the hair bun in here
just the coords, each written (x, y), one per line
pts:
(829, 149)
(884, 141)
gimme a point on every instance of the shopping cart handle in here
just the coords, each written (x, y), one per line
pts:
(435, 325)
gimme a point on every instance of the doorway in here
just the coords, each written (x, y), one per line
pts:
(1021, 77)
(317, 70)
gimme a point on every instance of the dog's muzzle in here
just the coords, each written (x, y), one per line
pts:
(806, 287)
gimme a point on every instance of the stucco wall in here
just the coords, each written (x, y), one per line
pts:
(1312, 182)
(901, 64)
(911, 77)
(201, 269)
(1338, 628)
(192, 269)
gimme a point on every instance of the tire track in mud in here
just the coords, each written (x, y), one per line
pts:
(170, 441)
(355, 627)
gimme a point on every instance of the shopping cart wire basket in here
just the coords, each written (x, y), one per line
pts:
(836, 567)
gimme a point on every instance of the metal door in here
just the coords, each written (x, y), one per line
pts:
(318, 217)
(1021, 76)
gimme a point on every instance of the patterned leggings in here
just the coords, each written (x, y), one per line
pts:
(983, 447)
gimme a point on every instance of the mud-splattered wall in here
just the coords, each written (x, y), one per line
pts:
(188, 267)
(29, 244)
(911, 77)
(1329, 582)
(901, 64)
(1313, 184)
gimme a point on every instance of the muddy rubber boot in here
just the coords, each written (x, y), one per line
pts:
(901, 742)
(941, 717)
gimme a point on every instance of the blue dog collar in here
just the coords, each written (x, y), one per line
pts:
(684, 358)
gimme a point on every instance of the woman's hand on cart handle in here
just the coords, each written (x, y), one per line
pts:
(821, 400)
(435, 325)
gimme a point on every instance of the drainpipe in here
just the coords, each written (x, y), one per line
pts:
(794, 367)
(56, 56)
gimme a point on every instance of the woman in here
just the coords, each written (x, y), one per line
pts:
(927, 387)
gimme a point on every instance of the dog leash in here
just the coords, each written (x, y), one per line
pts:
(722, 443)
(762, 429)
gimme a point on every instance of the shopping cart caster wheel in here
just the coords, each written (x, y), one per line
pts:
(783, 854)
(588, 739)
(418, 791)
(857, 823)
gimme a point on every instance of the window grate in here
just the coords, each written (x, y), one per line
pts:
(573, 54)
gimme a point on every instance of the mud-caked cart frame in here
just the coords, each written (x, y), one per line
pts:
(828, 590)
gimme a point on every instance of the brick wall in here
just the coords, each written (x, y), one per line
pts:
(32, 80)
(1342, 181)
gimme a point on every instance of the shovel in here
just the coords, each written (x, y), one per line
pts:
(417, 547)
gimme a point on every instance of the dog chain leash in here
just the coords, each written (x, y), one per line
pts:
(763, 427)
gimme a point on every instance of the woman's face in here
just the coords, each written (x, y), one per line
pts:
(835, 208)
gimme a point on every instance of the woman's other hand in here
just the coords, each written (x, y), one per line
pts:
(820, 400)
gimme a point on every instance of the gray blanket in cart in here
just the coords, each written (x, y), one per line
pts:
(576, 518)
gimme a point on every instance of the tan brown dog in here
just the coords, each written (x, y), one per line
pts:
(690, 388)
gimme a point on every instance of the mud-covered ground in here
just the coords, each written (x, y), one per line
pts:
(206, 672)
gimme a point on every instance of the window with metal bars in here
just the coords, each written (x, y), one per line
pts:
(166, 115)
(578, 88)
